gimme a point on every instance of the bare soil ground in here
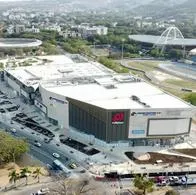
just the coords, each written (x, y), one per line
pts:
(157, 156)
(191, 152)
(25, 161)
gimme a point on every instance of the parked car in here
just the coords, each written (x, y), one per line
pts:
(72, 165)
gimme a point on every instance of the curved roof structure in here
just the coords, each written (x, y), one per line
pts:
(192, 52)
(171, 36)
(19, 42)
(153, 40)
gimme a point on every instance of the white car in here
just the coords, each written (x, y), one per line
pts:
(56, 155)
(13, 130)
(37, 144)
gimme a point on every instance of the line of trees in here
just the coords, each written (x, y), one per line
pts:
(109, 63)
(76, 45)
(14, 176)
(11, 148)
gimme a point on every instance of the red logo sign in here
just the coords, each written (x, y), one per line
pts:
(118, 118)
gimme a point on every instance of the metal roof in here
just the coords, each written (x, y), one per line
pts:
(161, 41)
(19, 43)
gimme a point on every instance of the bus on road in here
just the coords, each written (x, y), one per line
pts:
(62, 167)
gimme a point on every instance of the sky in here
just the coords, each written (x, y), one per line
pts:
(8, 0)
(11, 0)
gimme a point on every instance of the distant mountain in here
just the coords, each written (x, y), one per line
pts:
(188, 5)
(165, 7)
(138, 7)
(167, 3)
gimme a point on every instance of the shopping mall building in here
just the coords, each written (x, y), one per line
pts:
(96, 102)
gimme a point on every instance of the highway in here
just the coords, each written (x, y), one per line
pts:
(43, 153)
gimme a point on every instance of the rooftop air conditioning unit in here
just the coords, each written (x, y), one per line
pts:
(135, 98)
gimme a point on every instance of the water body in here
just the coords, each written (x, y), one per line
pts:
(180, 69)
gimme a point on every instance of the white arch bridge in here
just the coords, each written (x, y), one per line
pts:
(171, 36)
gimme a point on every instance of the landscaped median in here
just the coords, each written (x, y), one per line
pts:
(109, 63)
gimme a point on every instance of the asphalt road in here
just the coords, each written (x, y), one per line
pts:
(43, 153)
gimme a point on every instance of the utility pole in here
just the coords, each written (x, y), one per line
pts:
(122, 51)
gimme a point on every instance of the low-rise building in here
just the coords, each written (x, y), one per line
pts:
(19, 29)
(70, 34)
(86, 30)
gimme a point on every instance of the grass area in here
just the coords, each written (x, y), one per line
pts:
(111, 64)
(1, 66)
(137, 73)
(172, 86)
(144, 65)
(100, 52)
(158, 156)
(175, 92)
(181, 83)
(191, 152)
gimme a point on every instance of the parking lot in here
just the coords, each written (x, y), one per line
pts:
(6, 105)
(32, 124)
(79, 146)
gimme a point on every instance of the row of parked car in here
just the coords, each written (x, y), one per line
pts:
(30, 123)
(10, 107)
(172, 180)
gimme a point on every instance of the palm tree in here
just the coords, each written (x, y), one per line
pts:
(37, 173)
(14, 176)
(143, 183)
(25, 173)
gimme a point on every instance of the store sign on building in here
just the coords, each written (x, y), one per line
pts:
(118, 118)
(145, 113)
(57, 100)
(137, 132)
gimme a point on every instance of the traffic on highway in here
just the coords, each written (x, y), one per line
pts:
(51, 151)
(42, 144)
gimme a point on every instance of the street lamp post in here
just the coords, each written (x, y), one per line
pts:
(122, 51)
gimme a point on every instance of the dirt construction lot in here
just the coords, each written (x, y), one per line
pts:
(154, 157)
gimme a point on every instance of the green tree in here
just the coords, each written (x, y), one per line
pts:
(175, 54)
(25, 172)
(11, 148)
(143, 183)
(1, 65)
(37, 173)
(14, 176)
(191, 97)
(155, 52)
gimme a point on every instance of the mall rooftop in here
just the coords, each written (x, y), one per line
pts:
(59, 68)
(116, 92)
(93, 83)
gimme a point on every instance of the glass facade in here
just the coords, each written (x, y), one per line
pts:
(86, 122)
